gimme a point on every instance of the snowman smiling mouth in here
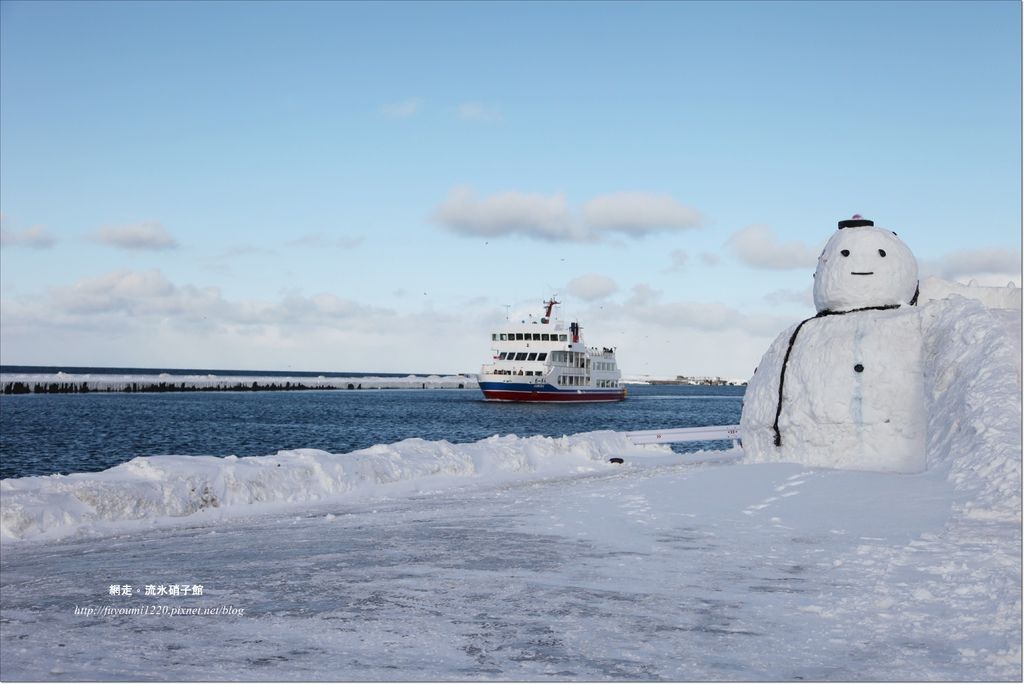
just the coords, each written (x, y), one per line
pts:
(862, 273)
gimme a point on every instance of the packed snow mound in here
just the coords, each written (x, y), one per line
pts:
(973, 386)
(163, 490)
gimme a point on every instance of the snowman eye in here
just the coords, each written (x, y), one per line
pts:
(881, 252)
(845, 252)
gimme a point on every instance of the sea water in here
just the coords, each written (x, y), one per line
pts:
(41, 434)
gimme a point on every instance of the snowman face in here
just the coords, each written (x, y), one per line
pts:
(864, 266)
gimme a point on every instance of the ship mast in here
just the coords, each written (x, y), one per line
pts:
(550, 304)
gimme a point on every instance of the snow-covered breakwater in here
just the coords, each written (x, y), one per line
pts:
(73, 383)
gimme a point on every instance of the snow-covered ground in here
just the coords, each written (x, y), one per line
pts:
(713, 570)
(535, 558)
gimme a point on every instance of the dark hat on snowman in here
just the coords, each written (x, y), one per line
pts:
(856, 222)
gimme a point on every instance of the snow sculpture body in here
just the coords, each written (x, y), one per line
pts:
(845, 388)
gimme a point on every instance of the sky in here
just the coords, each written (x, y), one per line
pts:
(377, 187)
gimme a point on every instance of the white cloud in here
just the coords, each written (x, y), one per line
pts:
(148, 235)
(145, 319)
(36, 237)
(403, 109)
(803, 298)
(321, 241)
(591, 287)
(132, 294)
(758, 247)
(548, 217)
(638, 213)
(476, 111)
(679, 260)
(709, 259)
(237, 251)
(993, 266)
(646, 306)
(509, 213)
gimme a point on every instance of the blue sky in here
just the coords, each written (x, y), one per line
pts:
(366, 186)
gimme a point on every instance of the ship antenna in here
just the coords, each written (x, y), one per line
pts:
(508, 308)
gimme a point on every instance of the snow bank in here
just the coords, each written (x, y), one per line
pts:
(163, 490)
(973, 386)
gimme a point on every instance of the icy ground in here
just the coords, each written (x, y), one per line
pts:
(713, 570)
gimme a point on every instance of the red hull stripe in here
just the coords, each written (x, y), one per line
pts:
(566, 396)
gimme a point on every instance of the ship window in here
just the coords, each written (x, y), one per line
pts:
(501, 356)
(502, 337)
(545, 337)
(521, 356)
(536, 336)
(542, 357)
(494, 337)
(562, 338)
(532, 357)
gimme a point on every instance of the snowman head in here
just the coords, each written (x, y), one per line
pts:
(864, 266)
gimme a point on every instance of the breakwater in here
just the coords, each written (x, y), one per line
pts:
(71, 383)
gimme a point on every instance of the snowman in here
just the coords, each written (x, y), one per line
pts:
(845, 388)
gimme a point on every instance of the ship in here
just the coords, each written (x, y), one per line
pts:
(545, 361)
